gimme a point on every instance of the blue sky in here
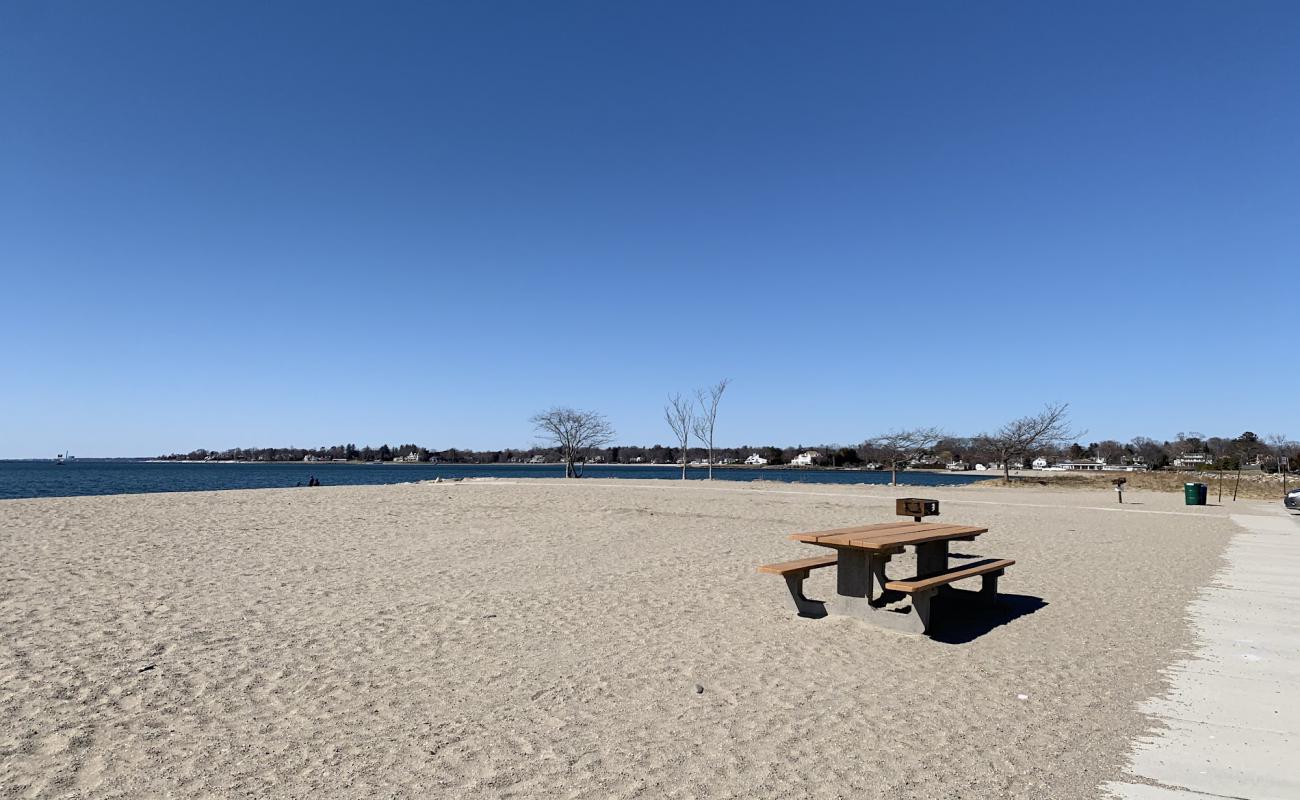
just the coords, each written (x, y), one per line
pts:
(276, 224)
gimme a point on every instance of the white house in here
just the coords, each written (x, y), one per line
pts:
(310, 457)
(537, 460)
(409, 458)
(1193, 459)
(1041, 463)
(805, 459)
(755, 460)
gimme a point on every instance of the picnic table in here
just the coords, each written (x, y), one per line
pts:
(864, 591)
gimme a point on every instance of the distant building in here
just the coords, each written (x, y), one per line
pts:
(537, 460)
(1098, 465)
(806, 459)
(310, 457)
(958, 466)
(1194, 459)
(755, 460)
(409, 458)
(1095, 465)
(1041, 463)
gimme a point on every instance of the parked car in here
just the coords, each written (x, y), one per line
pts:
(1292, 500)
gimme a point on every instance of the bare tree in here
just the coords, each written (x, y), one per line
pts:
(1150, 451)
(1278, 443)
(708, 416)
(1110, 451)
(1020, 437)
(681, 418)
(574, 433)
(898, 447)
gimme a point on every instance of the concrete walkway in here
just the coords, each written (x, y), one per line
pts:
(1232, 714)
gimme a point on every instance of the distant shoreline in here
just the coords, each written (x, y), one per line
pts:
(45, 479)
(494, 464)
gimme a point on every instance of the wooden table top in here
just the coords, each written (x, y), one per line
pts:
(889, 536)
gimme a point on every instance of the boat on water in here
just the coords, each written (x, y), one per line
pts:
(62, 458)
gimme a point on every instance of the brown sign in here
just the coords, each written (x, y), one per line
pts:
(916, 507)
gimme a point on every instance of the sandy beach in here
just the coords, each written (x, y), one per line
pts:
(488, 639)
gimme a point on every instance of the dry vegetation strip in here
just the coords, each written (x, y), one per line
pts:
(1254, 485)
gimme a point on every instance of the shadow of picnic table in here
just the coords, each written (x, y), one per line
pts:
(965, 620)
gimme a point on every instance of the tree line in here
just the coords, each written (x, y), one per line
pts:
(576, 438)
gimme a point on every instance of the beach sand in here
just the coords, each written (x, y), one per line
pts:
(539, 638)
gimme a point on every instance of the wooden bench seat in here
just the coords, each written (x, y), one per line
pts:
(794, 573)
(923, 589)
(990, 568)
(802, 565)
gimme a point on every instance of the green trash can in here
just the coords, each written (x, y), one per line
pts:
(1195, 494)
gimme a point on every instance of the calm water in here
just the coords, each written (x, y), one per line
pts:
(47, 479)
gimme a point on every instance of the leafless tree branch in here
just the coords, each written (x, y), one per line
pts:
(680, 415)
(707, 419)
(899, 447)
(574, 433)
(1020, 437)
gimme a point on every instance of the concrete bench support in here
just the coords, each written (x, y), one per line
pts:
(795, 573)
(804, 606)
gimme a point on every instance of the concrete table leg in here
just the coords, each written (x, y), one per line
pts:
(931, 558)
(852, 573)
(861, 593)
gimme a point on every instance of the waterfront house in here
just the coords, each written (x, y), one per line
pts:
(755, 460)
(806, 459)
